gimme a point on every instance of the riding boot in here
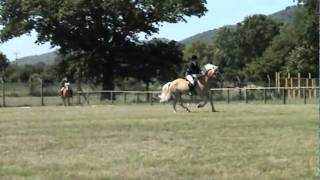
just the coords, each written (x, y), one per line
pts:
(192, 89)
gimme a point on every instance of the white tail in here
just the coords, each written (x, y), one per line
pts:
(165, 94)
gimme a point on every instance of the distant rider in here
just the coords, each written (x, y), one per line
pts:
(192, 73)
(64, 84)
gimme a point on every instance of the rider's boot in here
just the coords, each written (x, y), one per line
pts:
(61, 91)
(192, 89)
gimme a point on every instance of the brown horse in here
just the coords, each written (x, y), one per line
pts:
(176, 88)
(66, 95)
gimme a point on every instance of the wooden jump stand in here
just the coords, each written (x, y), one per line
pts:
(297, 86)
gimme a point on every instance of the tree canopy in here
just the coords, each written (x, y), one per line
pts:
(259, 46)
(102, 31)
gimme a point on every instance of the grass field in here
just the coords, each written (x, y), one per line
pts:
(240, 142)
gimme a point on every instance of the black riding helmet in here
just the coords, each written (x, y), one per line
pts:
(194, 62)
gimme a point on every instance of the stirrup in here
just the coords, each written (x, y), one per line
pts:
(192, 89)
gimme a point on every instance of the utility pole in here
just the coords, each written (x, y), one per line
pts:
(16, 54)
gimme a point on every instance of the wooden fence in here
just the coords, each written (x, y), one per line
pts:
(268, 93)
(219, 94)
(262, 95)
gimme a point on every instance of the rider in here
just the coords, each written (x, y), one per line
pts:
(192, 73)
(64, 84)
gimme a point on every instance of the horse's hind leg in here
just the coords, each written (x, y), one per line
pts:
(174, 103)
(64, 101)
(68, 101)
(181, 103)
(211, 104)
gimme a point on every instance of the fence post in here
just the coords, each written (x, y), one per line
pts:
(79, 98)
(246, 95)
(125, 97)
(299, 85)
(3, 92)
(305, 95)
(150, 98)
(276, 80)
(88, 101)
(284, 96)
(41, 91)
(228, 95)
(314, 86)
(307, 82)
(111, 96)
(265, 96)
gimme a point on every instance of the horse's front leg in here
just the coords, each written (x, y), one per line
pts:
(204, 101)
(211, 103)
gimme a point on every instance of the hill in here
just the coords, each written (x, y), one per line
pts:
(204, 37)
(284, 16)
(46, 58)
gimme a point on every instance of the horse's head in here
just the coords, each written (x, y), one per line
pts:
(212, 71)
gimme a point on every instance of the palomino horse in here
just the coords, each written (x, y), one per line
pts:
(176, 88)
(66, 95)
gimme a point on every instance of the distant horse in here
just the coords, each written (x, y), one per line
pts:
(66, 94)
(176, 88)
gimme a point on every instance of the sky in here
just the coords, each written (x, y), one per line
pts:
(220, 13)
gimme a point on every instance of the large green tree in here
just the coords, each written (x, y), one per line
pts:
(295, 49)
(304, 57)
(156, 60)
(239, 46)
(275, 57)
(204, 52)
(101, 30)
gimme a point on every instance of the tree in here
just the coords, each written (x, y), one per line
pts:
(255, 34)
(304, 56)
(4, 62)
(301, 61)
(101, 30)
(275, 57)
(239, 46)
(156, 60)
(204, 52)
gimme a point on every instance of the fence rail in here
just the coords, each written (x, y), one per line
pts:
(12, 96)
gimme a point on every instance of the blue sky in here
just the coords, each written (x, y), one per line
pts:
(220, 13)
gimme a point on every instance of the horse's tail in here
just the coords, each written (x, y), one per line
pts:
(165, 94)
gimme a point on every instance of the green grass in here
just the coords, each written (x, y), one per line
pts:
(150, 142)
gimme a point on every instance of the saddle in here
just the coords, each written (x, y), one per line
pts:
(66, 88)
(192, 88)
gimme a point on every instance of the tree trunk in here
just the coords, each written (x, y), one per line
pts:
(147, 89)
(107, 84)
